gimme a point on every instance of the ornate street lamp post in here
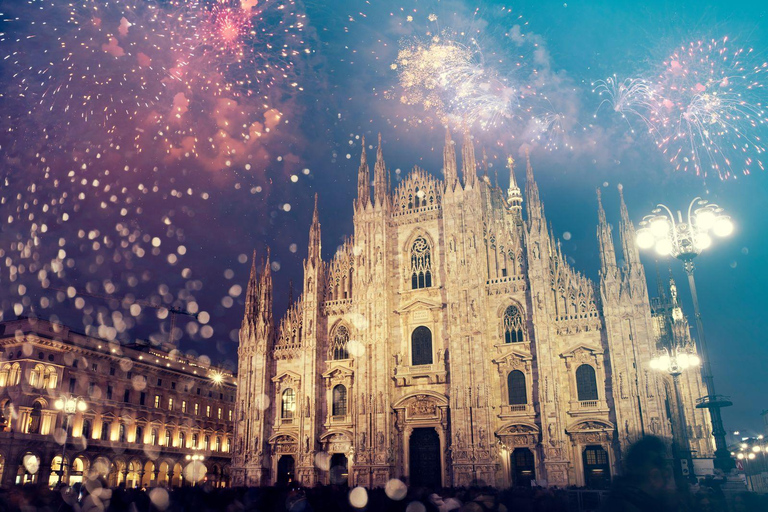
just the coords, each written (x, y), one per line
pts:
(685, 239)
(69, 405)
(674, 361)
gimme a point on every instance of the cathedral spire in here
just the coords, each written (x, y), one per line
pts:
(265, 288)
(449, 162)
(605, 239)
(627, 230)
(314, 237)
(468, 162)
(514, 198)
(252, 293)
(363, 181)
(659, 284)
(380, 178)
(534, 208)
(485, 165)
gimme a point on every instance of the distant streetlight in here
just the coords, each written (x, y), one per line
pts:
(685, 239)
(69, 405)
(675, 362)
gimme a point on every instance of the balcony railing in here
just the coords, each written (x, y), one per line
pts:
(588, 404)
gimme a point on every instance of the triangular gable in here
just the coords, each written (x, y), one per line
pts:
(419, 304)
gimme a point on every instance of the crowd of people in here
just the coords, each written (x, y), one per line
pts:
(648, 485)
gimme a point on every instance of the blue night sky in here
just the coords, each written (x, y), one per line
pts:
(157, 197)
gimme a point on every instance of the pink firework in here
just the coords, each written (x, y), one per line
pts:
(226, 28)
(709, 111)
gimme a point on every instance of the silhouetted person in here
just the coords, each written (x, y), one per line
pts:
(648, 483)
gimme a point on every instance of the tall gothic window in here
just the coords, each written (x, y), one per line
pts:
(513, 325)
(339, 345)
(339, 400)
(182, 440)
(87, 429)
(139, 438)
(421, 264)
(586, 383)
(34, 418)
(121, 433)
(516, 388)
(421, 346)
(289, 404)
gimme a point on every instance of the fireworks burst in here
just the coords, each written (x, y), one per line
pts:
(150, 76)
(631, 97)
(109, 110)
(710, 106)
(450, 79)
(704, 108)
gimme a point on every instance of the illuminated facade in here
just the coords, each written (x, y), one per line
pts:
(146, 412)
(448, 342)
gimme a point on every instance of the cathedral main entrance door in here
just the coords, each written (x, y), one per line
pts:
(424, 461)
(523, 467)
(286, 468)
(339, 471)
(597, 470)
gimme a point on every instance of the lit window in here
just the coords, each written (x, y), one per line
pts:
(197, 409)
(229, 414)
(170, 404)
(184, 406)
(157, 401)
(219, 413)
(208, 411)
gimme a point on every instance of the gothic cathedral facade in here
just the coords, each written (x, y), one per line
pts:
(449, 342)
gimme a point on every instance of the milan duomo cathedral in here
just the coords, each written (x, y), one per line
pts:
(449, 342)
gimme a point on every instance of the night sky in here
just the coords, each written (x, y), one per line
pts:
(149, 147)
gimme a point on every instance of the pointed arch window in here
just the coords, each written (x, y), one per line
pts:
(513, 325)
(516, 388)
(289, 404)
(339, 400)
(421, 264)
(421, 346)
(168, 438)
(586, 383)
(339, 345)
(182, 440)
